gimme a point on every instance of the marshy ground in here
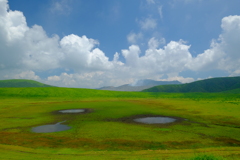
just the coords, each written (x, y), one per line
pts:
(106, 129)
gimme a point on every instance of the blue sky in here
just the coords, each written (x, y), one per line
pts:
(73, 43)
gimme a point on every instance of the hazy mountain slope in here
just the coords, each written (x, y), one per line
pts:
(78, 93)
(208, 85)
(21, 83)
(149, 82)
(139, 85)
(126, 87)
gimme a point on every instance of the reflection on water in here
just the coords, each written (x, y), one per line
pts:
(155, 120)
(50, 128)
(72, 111)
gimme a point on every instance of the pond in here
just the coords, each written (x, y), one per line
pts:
(155, 120)
(72, 111)
(50, 128)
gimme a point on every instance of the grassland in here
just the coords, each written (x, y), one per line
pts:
(212, 124)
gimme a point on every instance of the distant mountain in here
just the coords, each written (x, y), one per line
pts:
(208, 85)
(139, 85)
(16, 83)
(106, 88)
(148, 82)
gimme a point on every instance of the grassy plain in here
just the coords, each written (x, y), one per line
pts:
(212, 124)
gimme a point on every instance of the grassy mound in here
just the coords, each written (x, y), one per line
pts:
(16, 83)
(208, 85)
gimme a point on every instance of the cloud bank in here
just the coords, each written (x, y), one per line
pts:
(25, 51)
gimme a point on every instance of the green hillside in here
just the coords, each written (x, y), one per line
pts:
(207, 124)
(16, 83)
(208, 85)
(75, 93)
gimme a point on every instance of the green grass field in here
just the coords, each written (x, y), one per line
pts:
(211, 130)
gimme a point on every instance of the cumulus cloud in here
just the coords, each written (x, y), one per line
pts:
(85, 80)
(180, 79)
(153, 43)
(40, 51)
(133, 37)
(24, 51)
(62, 7)
(24, 47)
(235, 73)
(79, 53)
(131, 55)
(12, 29)
(148, 23)
(160, 11)
(153, 64)
(224, 52)
(171, 59)
(27, 75)
(150, 1)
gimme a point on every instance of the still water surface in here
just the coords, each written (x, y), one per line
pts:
(72, 111)
(50, 128)
(155, 120)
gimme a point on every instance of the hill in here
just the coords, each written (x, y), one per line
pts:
(148, 82)
(139, 85)
(16, 83)
(126, 87)
(79, 93)
(208, 85)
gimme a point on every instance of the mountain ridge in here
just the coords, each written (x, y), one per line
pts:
(219, 84)
(21, 83)
(138, 85)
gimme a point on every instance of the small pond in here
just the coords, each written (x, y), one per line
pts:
(50, 128)
(72, 111)
(155, 120)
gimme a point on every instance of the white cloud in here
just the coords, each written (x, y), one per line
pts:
(235, 73)
(175, 3)
(155, 63)
(179, 78)
(24, 47)
(131, 55)
(133, 37)
(89, 80)
(62, 7)
(153, 43)
(64, 80)
(27, 75)
(169, 60)
(23, 75)
(54, 78)
(80, 54)
(150, 1)
(160, 12)
(148, 23)
(40, 51)
(224, 52)
(12, 23)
